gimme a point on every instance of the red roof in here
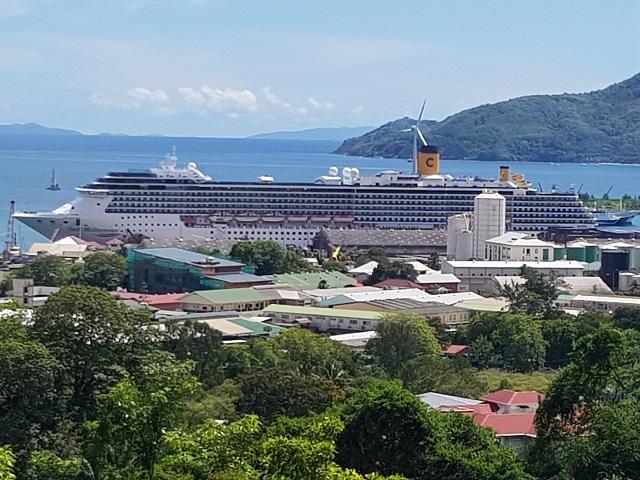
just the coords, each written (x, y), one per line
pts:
(508, 423)
(510, 397)
(455, 349)
(398, 283)
(150, 299)
(114, 241)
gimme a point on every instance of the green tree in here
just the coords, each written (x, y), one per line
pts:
(626, 317)
(559, 334)
(92, 335)
(391, 270)
(372, 255)
(433, 261)
(6, 464)
(104, 269)
(586, 425)
(269, 257)
(435, 373)
(49, 270)
(332, 265)
(519, 340)
(196, 341)
(401, 337)
(483, 354)
(46, 465)
(134, 414)
(388, 430)
(270, 392)
(536, 296)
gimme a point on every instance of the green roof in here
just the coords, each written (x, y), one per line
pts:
(229, 295)
(311, 280)
(327, 312)
(256, 327)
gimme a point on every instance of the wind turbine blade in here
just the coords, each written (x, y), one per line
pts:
(421, 112)
(424, 141)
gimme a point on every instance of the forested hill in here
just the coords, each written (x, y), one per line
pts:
(600, 126)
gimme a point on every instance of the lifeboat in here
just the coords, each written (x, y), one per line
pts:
(273, 218)
(343, 218)
(320, 218)
(297, 218)
(247, 218)
(187, 218)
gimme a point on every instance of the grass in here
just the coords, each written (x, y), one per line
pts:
(538, 381)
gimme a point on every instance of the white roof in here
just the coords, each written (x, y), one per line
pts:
(453, 298)
(618, 245)
(356, 339)
(607, 299)
(437, 400)
(322, 293)
(515, 264)
(420, 267)
(367, 268)
(437, 277)
(414, 293)
(519, 239)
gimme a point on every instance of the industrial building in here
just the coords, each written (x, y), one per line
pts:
(173, 270)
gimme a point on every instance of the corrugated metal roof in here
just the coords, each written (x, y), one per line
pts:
(327, 312)
(187, 256)
(238, 278)
(311, 280)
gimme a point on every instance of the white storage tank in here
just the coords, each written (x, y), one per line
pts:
(457, 225)
(490, 219)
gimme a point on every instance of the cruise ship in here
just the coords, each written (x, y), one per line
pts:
(168, 203)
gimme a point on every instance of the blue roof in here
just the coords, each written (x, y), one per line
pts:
(238, 278)
(187, 256)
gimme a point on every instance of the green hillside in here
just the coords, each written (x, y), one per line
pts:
(600, 126)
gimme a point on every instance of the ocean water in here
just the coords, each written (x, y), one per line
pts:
(26, 164)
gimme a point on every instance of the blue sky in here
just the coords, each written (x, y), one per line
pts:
(238, 67)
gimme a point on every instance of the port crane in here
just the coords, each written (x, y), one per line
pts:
(11, 243)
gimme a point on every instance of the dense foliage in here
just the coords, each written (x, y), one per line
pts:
(269, 257)
(600, 126)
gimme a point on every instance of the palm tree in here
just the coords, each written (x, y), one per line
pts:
(433, 261)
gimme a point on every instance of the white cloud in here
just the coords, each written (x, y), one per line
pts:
(318, 105)
(209, 99)
(273, 98)
(144, 95)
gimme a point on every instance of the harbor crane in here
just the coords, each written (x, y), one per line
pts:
(11, 242)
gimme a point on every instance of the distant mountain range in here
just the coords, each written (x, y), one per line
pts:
(600, 126)
(34, 129)
(328, 133)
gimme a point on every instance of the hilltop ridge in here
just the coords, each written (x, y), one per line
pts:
(599, 126)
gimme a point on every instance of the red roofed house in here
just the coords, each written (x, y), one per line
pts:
(453, 350)
(166, 301)
(509, 401)
(513, 429)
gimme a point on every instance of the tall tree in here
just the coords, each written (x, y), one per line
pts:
(48, 270)
(134, 414)
(385, 271)
(401, 337)
(104, 269)
(536, 296)
(6, 464)
(92, 335)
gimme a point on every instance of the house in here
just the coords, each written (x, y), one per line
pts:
(438, 281)
(454, 350)
(510, 401)
(30, 295)
(167, 301)
(243, 299)
(363, 272)
(356, 340)
(515, 246)
(516, 430)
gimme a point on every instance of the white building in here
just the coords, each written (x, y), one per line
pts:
(490, 220)
(515, 246)
(478, 275)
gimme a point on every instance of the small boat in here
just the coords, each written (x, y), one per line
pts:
(618, 218)
(54, 184)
